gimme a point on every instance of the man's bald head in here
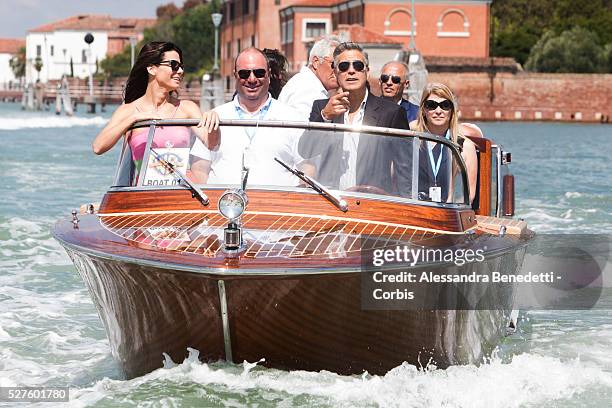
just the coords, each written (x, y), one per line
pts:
(393, 80)
(251, 53)
(397, 66)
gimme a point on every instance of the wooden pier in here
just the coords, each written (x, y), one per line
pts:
(101, 95)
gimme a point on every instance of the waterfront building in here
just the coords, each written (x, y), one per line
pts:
(59, 48)
(443, 28)
(9, 47)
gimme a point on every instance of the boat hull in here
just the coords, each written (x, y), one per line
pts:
(292, 321)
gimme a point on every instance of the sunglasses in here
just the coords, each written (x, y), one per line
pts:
(359, 66)
(173, 64)
(384, 78)
(246, 73)
(431, 105)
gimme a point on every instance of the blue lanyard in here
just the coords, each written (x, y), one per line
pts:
(435, 167)
(250, 132)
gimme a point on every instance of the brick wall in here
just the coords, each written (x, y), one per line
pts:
(531, 96)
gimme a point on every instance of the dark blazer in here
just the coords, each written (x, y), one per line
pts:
(375, 155)
(412, 110)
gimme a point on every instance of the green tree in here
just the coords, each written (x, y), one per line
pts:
(117, 65)
(18, 63)
(593, 15)
(516, 25)
(575, 50)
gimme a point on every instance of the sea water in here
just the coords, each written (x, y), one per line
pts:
(51, 335)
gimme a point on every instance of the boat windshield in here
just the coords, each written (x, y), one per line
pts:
(347, 160)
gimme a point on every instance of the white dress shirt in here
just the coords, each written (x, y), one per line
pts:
(301, 91)
(350, 146)
(259, 146)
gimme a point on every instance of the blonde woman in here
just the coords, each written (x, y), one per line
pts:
(438, 115)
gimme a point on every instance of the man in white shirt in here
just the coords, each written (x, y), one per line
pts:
(256, 147)
(313, 81)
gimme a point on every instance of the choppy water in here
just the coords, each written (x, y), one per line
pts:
(50, 333)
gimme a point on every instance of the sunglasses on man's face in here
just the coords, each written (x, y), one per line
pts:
(246, 73)
(431, 105)
(173, 64)
(345, 65)
(384, 78)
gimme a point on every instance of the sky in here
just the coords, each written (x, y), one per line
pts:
(19, 16)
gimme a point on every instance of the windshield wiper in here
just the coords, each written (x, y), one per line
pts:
(316, 186)
(195, 192)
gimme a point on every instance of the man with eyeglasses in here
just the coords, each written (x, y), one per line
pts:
(393, 80)
(366, 161)
(253, 147)
(314, 81)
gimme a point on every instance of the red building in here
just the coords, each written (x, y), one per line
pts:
(444, 28)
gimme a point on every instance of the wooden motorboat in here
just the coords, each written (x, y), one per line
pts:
(172, 264)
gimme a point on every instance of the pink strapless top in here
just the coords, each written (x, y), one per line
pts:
(168, 136)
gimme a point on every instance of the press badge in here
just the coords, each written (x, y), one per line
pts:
(248, 158)
(435, 194)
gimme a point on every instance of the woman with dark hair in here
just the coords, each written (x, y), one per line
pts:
(151, 93)
(278, 71)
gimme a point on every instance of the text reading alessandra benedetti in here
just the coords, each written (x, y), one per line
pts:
(409, 277)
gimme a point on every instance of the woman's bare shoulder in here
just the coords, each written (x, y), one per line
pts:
(124, 110)
(470, 129)
(189, 109)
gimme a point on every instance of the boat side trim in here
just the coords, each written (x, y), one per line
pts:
(242, 271)
(283, 214)
(227, 341)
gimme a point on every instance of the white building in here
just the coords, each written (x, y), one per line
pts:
(60, 47)
(8, 48)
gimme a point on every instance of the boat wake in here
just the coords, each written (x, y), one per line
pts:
(529, 379)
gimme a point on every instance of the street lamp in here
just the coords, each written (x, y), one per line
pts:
(89, 38)
(216, 19)
(412, 27)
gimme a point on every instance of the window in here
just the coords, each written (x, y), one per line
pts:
(397, 21)
(253, 40)
(284, 32)
(232, 11)
(238, 46)
(228, 49)
(51, 51)
(84, 56)
(277, 2)
(453, 23)
(290, 31)
(313, 29)
(245, 7)
(38, 50)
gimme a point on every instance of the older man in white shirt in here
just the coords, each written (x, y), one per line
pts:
(313, 81)
(256, 147)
